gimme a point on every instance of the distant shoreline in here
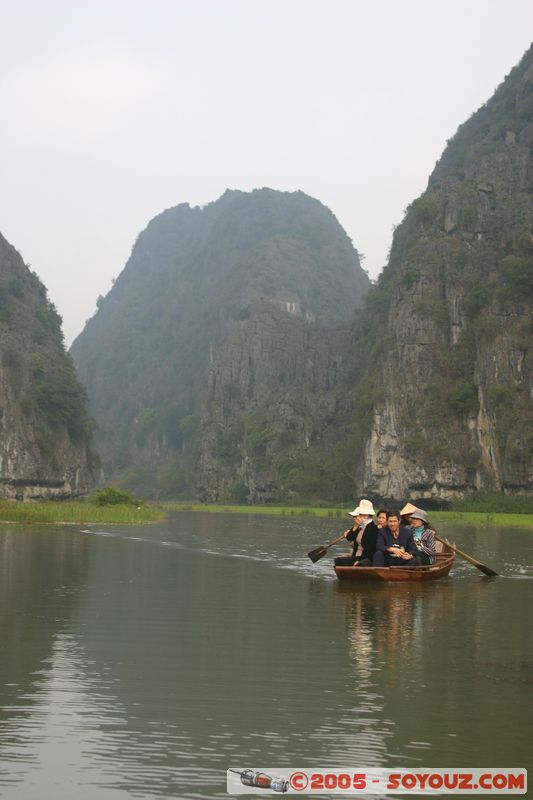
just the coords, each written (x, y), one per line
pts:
(76, 513)
(462, 517)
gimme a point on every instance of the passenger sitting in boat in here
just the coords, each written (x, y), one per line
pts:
(363, 535)
(381, 518)
(405, 514)
(424, 536)
(395, 545)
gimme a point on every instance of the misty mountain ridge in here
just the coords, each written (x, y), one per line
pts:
(427, 393)
(197, 279)
(243, 354)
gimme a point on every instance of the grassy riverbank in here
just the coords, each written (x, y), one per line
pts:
(483, 518)
(86, 512)
(77, 512)
(460, 517)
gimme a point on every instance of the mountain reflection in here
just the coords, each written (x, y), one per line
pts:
(146, 661)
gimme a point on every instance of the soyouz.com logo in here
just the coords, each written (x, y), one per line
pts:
(371, 780)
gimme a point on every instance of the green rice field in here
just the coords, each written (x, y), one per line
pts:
(77, 512)
(463, 517)
(85, 512)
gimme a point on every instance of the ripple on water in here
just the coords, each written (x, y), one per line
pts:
(146, 665)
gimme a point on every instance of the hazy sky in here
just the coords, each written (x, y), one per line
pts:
(112, 111)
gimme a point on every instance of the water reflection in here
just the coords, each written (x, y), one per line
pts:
(40, 580)
(145, 662)
(388, 624)
(205, 661)
(433, 651)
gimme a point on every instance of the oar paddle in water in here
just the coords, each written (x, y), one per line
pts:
(319, 552)
(486, 570)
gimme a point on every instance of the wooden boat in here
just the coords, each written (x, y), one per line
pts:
(439, 569)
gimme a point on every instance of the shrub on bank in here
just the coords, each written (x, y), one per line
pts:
(109, 496)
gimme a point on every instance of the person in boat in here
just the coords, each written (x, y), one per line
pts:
(405, 514)
(381, 518)
(363, 536)
(424, 536)
(395, 545)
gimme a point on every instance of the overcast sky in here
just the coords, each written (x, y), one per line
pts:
(112, 111)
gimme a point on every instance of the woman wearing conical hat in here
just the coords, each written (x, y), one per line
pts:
(405, 514)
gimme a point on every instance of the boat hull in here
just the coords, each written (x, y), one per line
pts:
(439, 569)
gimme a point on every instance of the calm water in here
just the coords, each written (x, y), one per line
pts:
(143, 662)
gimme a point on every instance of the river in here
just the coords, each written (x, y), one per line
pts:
(142, 662)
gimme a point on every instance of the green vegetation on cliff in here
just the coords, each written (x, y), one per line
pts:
(453, 385)
(210, 320)
(45, 431)
(227, 363)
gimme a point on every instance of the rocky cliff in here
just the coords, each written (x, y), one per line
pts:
(278, 415)
(44, 428)
(450, 369)
(212, 366)
(228, 361)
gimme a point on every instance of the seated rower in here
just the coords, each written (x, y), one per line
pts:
(395, 545)
(424, 536)
(363, 536)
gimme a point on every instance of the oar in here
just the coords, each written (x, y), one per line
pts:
(478, 564)
(319, 552)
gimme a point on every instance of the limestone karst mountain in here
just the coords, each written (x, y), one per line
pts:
(228, 361)
(449, 380)
(45, 432)
(213, 364)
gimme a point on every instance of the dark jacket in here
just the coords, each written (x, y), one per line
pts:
(368, 541)
(405, 540)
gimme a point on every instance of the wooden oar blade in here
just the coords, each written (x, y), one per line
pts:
(318, 553)
(475, 563)
(486, 570)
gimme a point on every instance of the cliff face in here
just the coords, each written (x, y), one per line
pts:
(276, 421)
(452, 364)
(44, 429)
(201, 361)
(226, 363)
